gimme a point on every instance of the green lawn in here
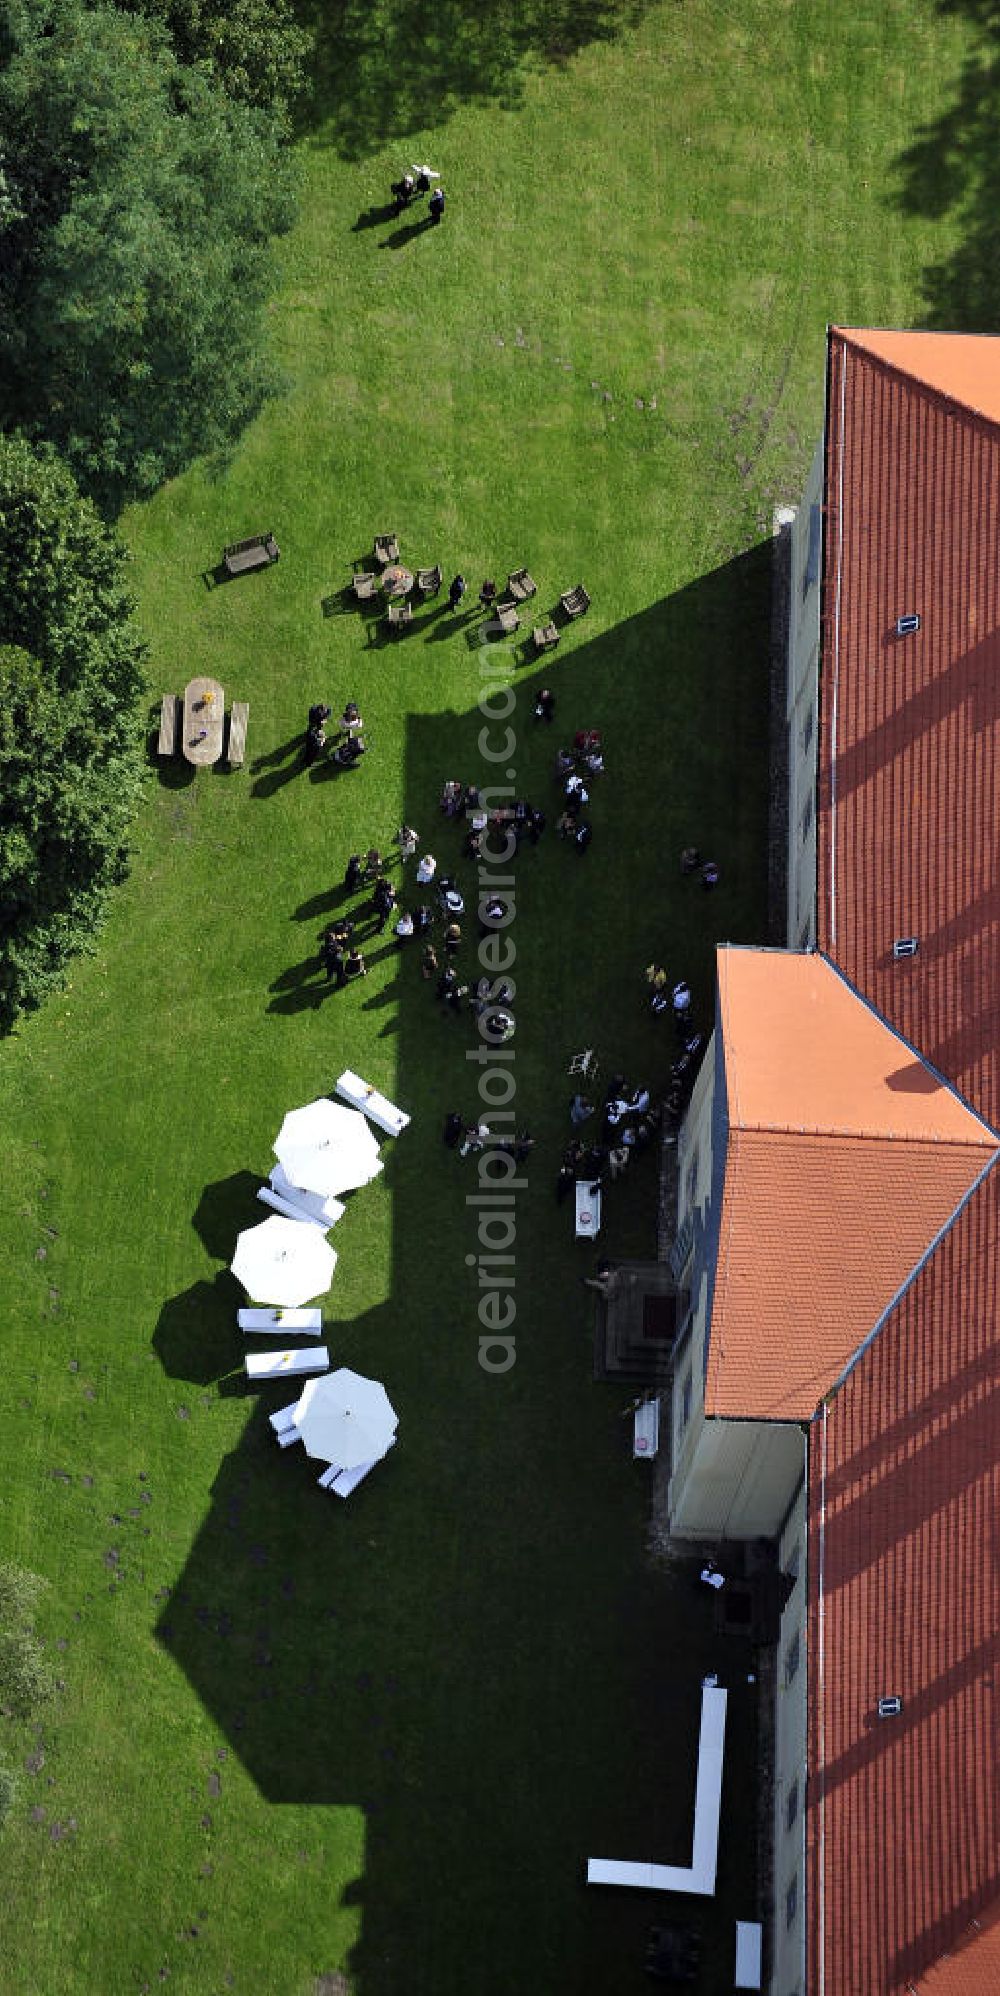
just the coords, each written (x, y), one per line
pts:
(297, 1737)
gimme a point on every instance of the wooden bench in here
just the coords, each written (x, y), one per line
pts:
(238, 718)
(258, 552)
(170, 717)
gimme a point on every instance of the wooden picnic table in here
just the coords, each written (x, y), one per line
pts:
(203, 721)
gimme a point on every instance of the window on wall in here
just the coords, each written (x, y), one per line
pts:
(810, 573)
(792, 1900)
(792, 1658)
(791, 1805)
(685, 1401)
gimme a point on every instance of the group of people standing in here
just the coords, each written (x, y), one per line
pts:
(350, 743)
(419, 180)
(630, 1120)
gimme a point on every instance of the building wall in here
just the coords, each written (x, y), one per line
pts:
(802, 711)
(736, 1478)
(695, 1172)
(788, 1959)
(731, 1479)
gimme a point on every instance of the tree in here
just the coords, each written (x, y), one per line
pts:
(70, 744)
(254, 48)
(25, 1677)
(137, 203)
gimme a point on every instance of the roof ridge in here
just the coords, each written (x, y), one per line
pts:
(986, 1143)
(854, 337)
(916, 1270)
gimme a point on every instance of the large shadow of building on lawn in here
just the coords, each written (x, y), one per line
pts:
(477, 1649)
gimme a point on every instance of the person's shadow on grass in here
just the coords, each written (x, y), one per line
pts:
(302, 986)
(372, 218)
(281, 766)
(452, 625)
(277, 755)
(400, 237)
(297, 974)
(321, 904)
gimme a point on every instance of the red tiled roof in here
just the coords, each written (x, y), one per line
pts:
(972, 1965)
(902, 1823)
(910, 727)
(845, 1157)
(803, 1053)
(963, 366)
(817, 1237)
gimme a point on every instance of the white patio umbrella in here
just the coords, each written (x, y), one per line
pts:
(346, 1419)
(283, 1261)
(327, 1148)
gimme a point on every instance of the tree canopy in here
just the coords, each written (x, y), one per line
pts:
(137, 203)
(254, 48)
(70, 747)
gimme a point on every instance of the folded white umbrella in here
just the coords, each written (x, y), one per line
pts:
(284, 1261)
(327, 1148)
(345, 1418)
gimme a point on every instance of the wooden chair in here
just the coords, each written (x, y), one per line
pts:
(386, 549)
(585, 1064)
(364, 586)
(520, 585)
(400, 614)
(575, 602)
(545, 636)
(504, 623)
(170, 715)
(429, 582)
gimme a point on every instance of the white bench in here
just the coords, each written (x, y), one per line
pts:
(343, 1481)
(588, 1210)
(646, 1430)
(699, 1875)
(377, 1107)
(310, 1322)
(283, 1364)
(748, 1954)
(313, 1205)
(283, 1418)
(285, 1206)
